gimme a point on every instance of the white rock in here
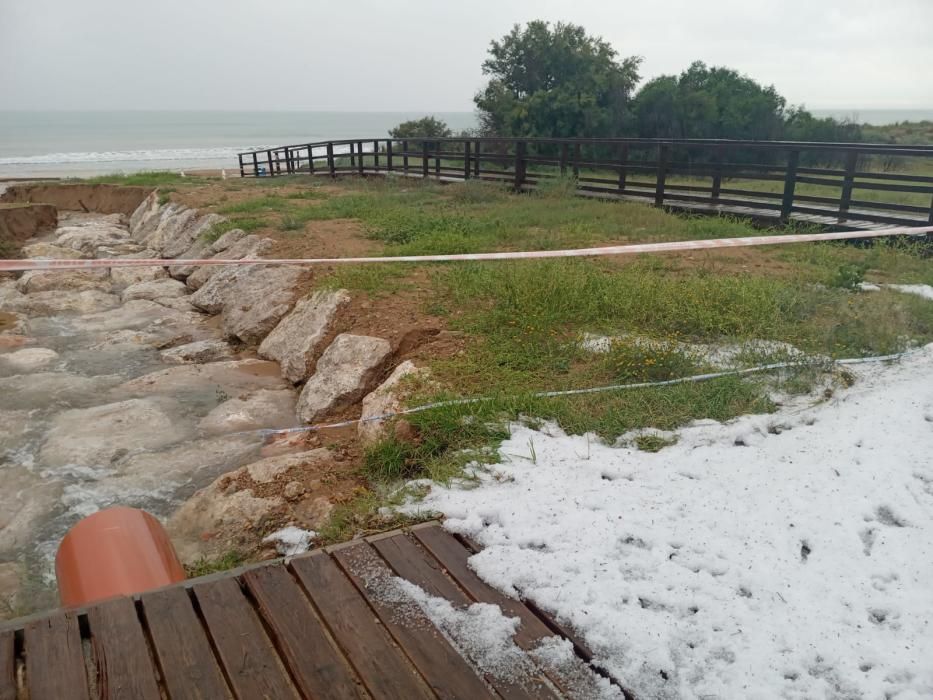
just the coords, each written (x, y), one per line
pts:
(187, 235)
(50, 251)
(262, 299)
(162, 287)
(384, 400)
(97, 436)
(246, 247)
(199, 352)
(146, 210)
(297, 339)
(138, 313)
(53, 303)
(291, 540)
(230, 377)
(25, 500)
(200, 249)
(27, 360)
(87, 239)
(47, 389)
(266, 408)
(227, 240)
(126, 276)
(170, 226)
(344, 373)
(63, 280)
(147, 225)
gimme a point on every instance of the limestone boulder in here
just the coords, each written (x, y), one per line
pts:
(120, 250)
(27, 360)
(236, 510)
(262, 298)
(26, 500)
(227, 240)
(266, 408)
(198, 250)
(188, 234)
(147, 209)
(148, 225)
(63, 280)
(47, 389)
(198, 352)
(344, 373)
(136, 314)
(297, 339)
(50, 251)
(247, 247)
(170, 226)
(177, 303)
(229, 377)
(153, 289)
(388, 398)
(87, 239)
(52, 303)
(16, 424)
(126, 276)
(98, 436)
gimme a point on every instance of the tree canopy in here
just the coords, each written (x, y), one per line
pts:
(424, 127)
(555, 81)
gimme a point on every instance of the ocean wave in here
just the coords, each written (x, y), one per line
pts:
(195, 154)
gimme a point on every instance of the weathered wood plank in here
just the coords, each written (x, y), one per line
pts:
(252, 666)
(381, 664)
(189, 669)
(7, 666)
(414, 564)
(55, 643)
(448, 673)
(124, 668)
(319, 668)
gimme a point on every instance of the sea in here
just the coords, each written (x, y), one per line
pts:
(79, 144)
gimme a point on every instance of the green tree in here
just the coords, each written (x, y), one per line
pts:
(421, 128)
(555, 82)
(708, 102)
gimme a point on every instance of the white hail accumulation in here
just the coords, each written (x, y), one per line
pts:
(783, 555)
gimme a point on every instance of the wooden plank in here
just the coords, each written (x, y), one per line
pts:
(382, 666)
(321, 670)
(454, 557)
(189, 669)
(7, 666)
(414, 564)
(448, 673)
(252, 666)
(54, 643)
(124, 668)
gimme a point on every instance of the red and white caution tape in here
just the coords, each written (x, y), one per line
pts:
(630, 249)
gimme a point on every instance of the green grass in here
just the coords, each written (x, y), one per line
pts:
(154, 178)
(225, 562)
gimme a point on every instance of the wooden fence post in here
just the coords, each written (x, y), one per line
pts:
(359, 160)
(331, 165)
(790, 183)
(289, 166)
(717, 174)
(271, 166)
(424, 159)
(255, 165)
(663, 155)
(405, 157)
(520, 164)
(376, 155)
(576, 159)
(389, 155)
(563, 158)
(239, 157)
(466, 160)
(623, 162)
(310, 159)
(930, 219)
(847, 181)
(476, 172)
(437, 159)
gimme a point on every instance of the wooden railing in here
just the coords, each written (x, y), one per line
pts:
(828, 183)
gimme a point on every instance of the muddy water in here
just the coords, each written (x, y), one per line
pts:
(79, 429)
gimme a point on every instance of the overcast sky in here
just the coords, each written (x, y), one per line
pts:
(425, 55)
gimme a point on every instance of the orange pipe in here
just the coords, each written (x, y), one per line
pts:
(117, 551)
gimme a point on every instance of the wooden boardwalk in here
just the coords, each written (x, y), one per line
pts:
(329, 624)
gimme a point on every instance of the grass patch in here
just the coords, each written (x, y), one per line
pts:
(225, 562)
(363, 515)
(151, 178)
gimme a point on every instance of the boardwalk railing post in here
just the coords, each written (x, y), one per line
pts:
(847, 181)
(376, 155)
(466, 160)
(437, 159)
(424, 159)
(311, 159)
(790, 183)
(288, 160)
(405, 157)
(255, 165)
(520, 163)
(476, 172)
(389, 155)
(717, 174)
(271, 166)
(331, 165)
(663, 155)
(576, 159)
(623, 162)
(239, 157)
(359, 160)
(563, 158)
